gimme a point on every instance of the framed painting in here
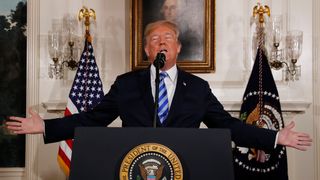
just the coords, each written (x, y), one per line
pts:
(196, 21)
(13, 20)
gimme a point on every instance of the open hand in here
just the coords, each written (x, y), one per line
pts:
(290, 138)
(31, 125)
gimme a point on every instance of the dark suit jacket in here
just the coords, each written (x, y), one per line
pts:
(130, 97)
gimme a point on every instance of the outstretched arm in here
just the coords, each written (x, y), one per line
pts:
(31, 125)
(290, 138)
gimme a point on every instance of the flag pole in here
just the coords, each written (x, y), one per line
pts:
(260, 11)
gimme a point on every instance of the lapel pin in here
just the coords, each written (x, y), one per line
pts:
(184, 83)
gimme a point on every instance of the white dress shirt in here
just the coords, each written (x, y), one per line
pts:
(170, 81)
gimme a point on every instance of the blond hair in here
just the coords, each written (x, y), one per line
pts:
(151, 26)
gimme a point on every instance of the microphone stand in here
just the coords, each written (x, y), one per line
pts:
(158, 63)
(156, 95)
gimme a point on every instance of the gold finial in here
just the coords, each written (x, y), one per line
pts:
(86, 14)
(260, 11)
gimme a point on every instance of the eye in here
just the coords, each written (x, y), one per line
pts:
(169, 37)
(172, 8)
(155, 38)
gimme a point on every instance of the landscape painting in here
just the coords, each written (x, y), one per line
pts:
(13, 25)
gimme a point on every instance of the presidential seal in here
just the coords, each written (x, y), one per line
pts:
(268, 116)
(151, 161)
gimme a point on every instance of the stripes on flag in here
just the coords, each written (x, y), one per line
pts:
(85, 93)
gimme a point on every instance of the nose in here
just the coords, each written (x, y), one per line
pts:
(162, 41)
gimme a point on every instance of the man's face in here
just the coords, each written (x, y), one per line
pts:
(169, 10)
(163, 39)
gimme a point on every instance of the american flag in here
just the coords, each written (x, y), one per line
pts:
(86, 92)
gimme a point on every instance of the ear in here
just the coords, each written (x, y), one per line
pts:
(146, 50)
(179, 48)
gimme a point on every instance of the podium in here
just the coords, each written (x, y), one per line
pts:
(188, 154)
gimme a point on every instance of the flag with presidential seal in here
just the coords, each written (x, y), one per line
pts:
(261, 107)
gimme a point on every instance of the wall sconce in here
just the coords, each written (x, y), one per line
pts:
(63, 46)
(54, 46)
(287, 56)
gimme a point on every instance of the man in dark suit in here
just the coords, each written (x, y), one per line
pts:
(190, 102)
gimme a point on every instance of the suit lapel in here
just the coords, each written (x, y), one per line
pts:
(178, 97)
(145, 90)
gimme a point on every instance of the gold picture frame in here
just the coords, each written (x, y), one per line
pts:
(197, 22)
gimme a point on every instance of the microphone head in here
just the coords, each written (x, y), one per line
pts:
(160, 60)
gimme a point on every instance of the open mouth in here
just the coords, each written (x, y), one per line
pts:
(163, 50)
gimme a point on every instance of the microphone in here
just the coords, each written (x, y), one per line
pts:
(160, 60)
(158, 63)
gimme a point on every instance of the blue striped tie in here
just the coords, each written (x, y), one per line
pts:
(163, 103)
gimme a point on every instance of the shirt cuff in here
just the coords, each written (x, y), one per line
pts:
(44, 128)
(276, 140)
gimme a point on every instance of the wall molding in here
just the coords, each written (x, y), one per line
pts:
(286, 106)
(316, 86)
(231, 106)
(16, 173)
(32, 141)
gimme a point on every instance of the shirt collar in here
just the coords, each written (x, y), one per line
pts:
(172, 72)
